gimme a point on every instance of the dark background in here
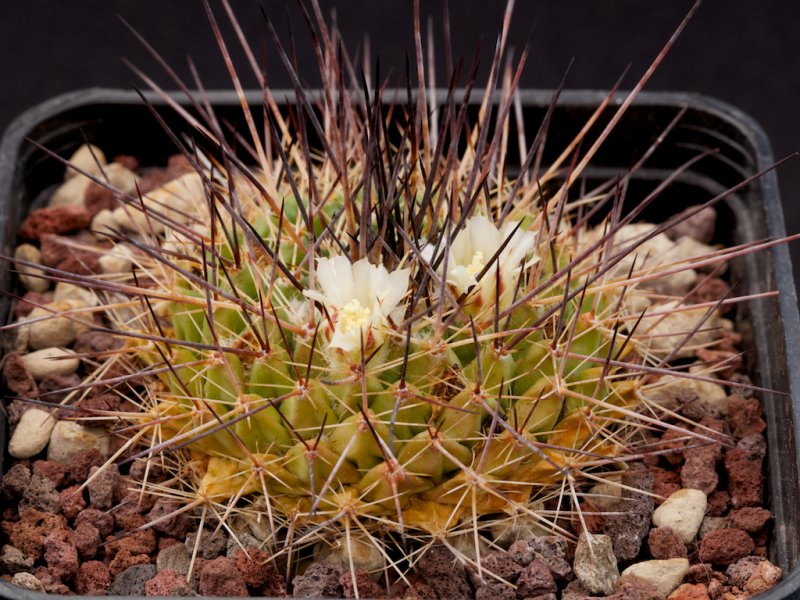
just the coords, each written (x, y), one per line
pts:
(741, 51)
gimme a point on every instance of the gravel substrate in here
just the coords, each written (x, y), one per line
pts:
(689, 521)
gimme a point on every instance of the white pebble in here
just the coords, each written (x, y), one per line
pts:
(82, 296)
(31, 434)
(69, 438)
(104, 224)
(71, 192)
(50, 361)
(665, 575)
(55, 328)
(665, 333)
(682, 512)
(88, 158)
(117, 260)
(30, 253)
(27, 581)
(670, 389)
(178, 200)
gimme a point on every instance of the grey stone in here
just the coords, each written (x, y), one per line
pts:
(595, 565)
(211, 546)
(13, 560)
(131, 581)
(176, 557)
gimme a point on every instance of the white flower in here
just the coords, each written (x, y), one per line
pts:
(360, 298)
(477, 244)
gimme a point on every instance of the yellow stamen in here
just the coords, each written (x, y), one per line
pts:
(353, 316)
(476, 266)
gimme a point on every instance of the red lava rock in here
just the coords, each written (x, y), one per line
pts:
(690, 591)
(417, 589)
(167, 583)
(129, 162)
(699, 472)
(501, 564)
(87, 539)
(719, 501)
(727, 362)
(93, 579)
(98, 197)
(744, 416)
(19, 381)
(253, 566)
(631, 587)
(60, 553)
(593, 517)
(91, 407)
(29, 533)
(79, 465)
(16, 481)
(745, 478)
(220, 577)
(54, 219)
(55, 249)
(665, 543)
(99, 519)
(24, 306)
(53, 470)
(152, 179)
(142, 541)
(674, 442)
(535, 580)
(724, 546)
(749, 518)
(704, 573)
(124, 559)
(710, 289)
(71, 501)
(55, 388)
(367, 588)
(177, 165)
(81, 262)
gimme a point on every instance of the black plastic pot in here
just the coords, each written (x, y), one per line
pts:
(119, 123)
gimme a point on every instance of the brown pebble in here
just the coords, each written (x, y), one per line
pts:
(749, 518)
(126, 160)
(124, 559)
(367, 588)
(739, 572)
(765, 576)
(724, 546)
(167, 583)
(16, 480)
(55, 388)
(745, 478)
(142, 541)
(719, 501)
(93, 579)
(665, 483)
(690, 591)
(18, 379)
(31, 300)
(535, 580)
(664, 543)
(710, 289)
(87, 539)
(71, 501)
(60, 553)
(744, 416)
(99, 197)
(220, 577)
(54, 219)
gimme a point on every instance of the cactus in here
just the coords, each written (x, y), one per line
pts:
(377, 331)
